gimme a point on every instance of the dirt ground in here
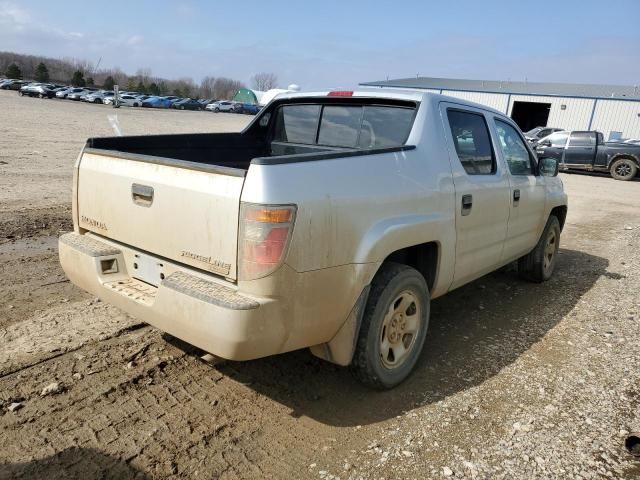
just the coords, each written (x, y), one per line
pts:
(516, 380)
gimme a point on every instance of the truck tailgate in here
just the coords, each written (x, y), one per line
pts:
(187, 215)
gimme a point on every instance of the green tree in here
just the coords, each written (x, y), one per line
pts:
(163, 88)
(78, 79)
(131, 84)
(90, 81)
(109, 82)
(42, 73)
(153, 89)
(14, 72)
(141, 88)
(177, 92)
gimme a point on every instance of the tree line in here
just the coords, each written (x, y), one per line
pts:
(82, 73)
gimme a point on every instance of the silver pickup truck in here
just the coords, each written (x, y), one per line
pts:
(330, 222)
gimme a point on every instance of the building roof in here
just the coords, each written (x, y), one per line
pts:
(520, 88)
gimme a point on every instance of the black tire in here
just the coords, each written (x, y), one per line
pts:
(538, 265)
(216, 110)
(370, 362)
(623, 169)
(41, 95)
(181, 107)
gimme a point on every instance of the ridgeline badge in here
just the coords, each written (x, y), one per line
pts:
(215, 266)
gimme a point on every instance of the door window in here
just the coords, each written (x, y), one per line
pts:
(513, 149)
(558, 139)
(472, 142)
(582, 139)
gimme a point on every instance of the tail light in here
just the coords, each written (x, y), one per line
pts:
(265, 232)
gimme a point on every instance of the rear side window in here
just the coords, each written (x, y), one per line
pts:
(347, 126)
(472, 142)
(582, 139)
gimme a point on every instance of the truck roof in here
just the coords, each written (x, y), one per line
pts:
(390, 93)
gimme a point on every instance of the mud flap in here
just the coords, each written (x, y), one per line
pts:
(340, 348)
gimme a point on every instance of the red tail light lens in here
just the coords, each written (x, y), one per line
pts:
(265, 232)
(340, 93)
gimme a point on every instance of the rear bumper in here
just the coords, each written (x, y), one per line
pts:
(196, 308)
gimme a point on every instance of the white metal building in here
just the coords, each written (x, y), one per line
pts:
(613, 110)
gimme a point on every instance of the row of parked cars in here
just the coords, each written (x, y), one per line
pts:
(128, 99)
(587, 150)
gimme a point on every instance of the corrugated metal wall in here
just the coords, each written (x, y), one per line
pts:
(493, 100)
(609, 115)
(617, 116)
(575, 116)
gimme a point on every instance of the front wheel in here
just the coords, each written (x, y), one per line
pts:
(538, 265)
(623, 169)
(394, 327)
(216, 110)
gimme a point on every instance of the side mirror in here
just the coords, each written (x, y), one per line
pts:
(548, 167)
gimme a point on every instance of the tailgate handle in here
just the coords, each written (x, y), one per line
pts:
(142, 195)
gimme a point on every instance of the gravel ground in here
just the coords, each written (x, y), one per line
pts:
(516, 380)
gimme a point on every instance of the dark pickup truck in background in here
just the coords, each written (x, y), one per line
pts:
(588, 151)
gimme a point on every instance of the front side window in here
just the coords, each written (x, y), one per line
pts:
(472, 142)
(513, 149)
(558, 139)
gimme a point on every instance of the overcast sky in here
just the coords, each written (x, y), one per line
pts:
(338, 43)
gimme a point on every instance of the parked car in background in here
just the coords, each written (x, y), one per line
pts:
(66, 91)
(157, 102)
(537, 133)
(634, 141)
(247, 108)
(130, 101)
(587, 150)
(77, 93)
(14, 84)
(97, 97)
(187, 104)
(206, 101)
(41, 90)
(282, 249)
(221, 106)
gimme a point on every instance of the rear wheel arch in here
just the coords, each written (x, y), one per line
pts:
(424, 257)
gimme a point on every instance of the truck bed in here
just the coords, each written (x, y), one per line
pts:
(233, 150)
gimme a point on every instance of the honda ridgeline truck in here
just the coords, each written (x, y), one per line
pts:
(329, 222)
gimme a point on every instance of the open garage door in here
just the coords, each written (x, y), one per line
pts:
(530, 115)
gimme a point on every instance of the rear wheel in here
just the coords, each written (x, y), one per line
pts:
(394, 327)
(538, 265)
(623, 169)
